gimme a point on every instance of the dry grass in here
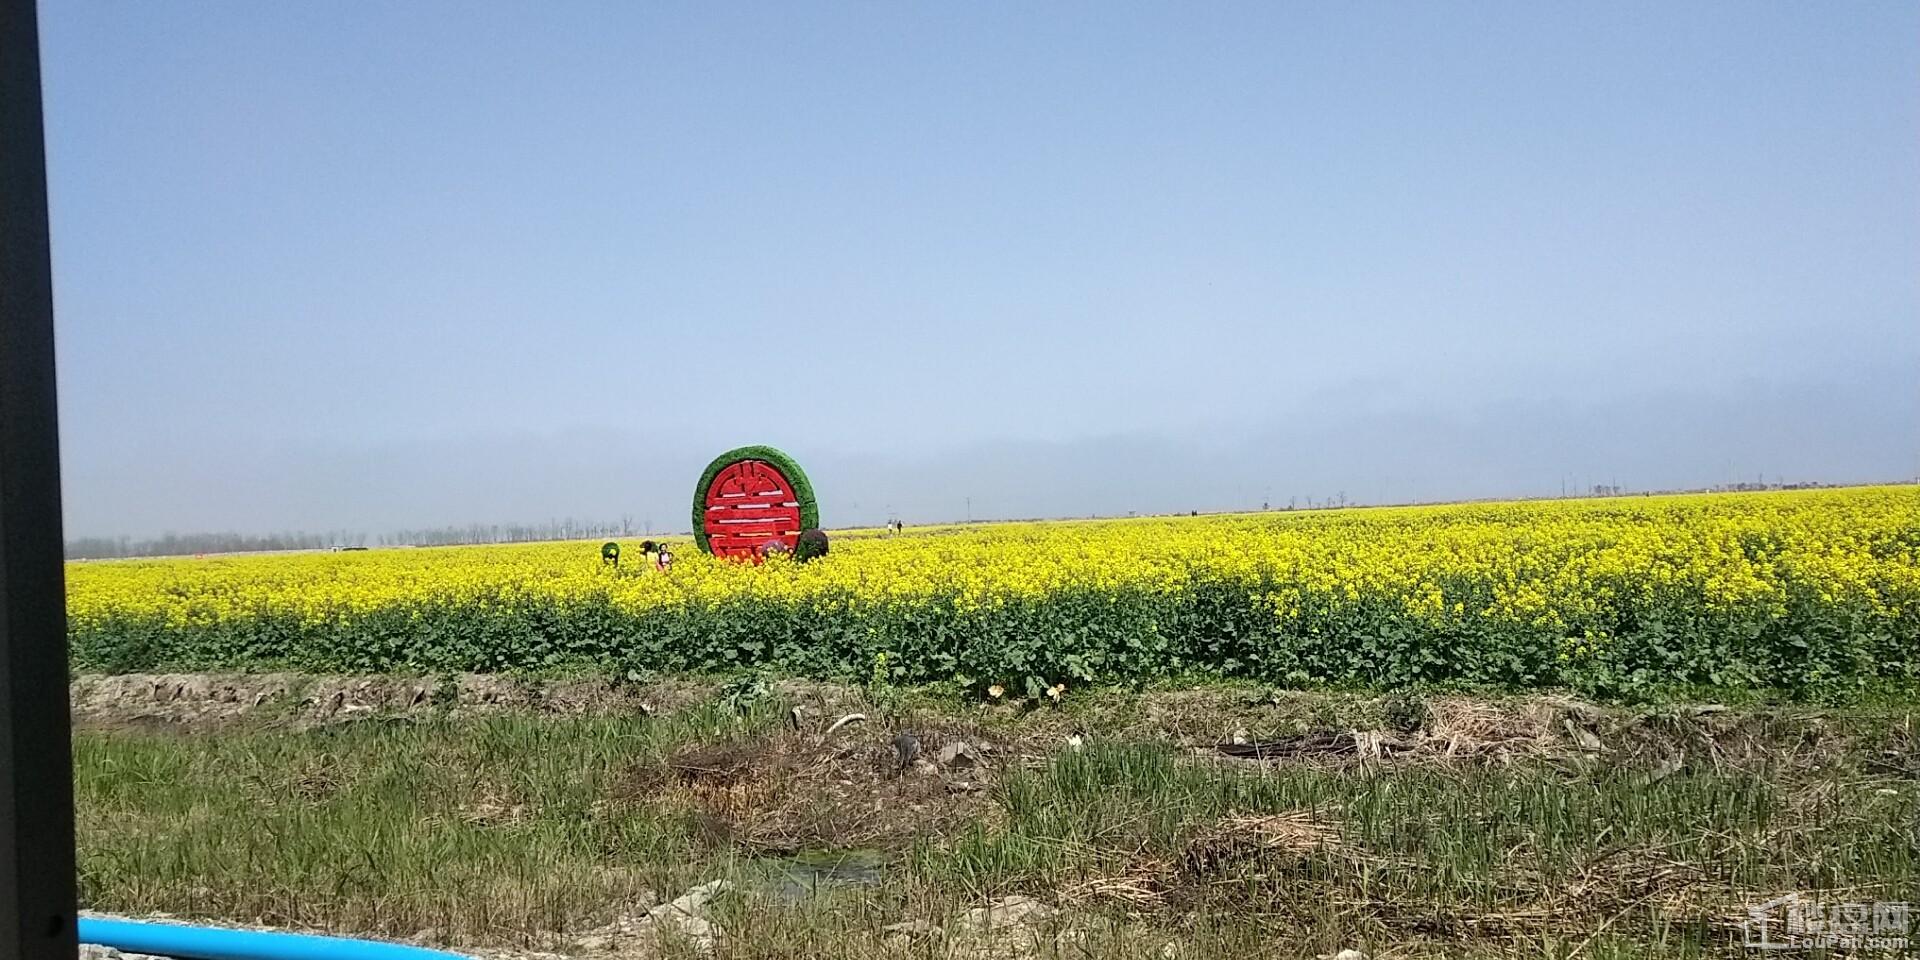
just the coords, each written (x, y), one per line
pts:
(785, 792)
(1440, 826)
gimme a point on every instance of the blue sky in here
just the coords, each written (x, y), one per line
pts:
(367, 265)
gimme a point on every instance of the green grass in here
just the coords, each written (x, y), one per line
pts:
(520, 828)
(490, 829)
(1428, 849)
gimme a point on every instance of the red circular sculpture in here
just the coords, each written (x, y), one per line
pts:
(750, 504)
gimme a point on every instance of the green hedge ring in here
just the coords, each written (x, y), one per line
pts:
(787, 495)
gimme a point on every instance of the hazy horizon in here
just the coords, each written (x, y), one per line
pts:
(380, 267)
(1386, 456)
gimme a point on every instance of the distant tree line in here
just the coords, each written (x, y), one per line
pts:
(567, 529)
(176, 544)
(172, 544)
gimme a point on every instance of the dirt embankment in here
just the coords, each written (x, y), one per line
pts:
(1226, 723)
(188, 700)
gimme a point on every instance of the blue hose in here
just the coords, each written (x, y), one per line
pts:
(215, 943)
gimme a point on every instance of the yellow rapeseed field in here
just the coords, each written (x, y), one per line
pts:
(1811, 591)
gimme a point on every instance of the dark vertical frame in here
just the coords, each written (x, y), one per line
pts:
(36, 760)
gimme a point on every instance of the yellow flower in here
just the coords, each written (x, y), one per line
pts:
(1554, 570)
